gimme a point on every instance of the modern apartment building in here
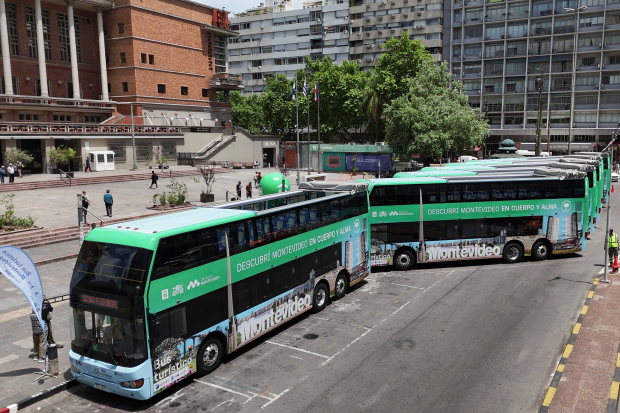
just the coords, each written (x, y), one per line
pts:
(77, 66)
(499, 48)
(276, 39)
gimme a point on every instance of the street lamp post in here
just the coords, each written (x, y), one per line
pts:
(540, 82)
(133, 134)
(573, 70)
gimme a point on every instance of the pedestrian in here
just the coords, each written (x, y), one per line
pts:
(108, 201)
(248, 190)
(11, 171)
(85, 205)
(45, 315)
(19, 168)
(87, 165)
(37, 338)
(238, 190)
(255, 164)
(612, 246)
(2, 174)
(154, 179)
(256, 180)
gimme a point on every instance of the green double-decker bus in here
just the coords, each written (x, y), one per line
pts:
(434, 219)
(158, 299)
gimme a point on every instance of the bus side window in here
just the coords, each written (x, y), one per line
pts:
(221, 243)
(265, 286)
(579, 187)
(285, 278)
(169, 324)
(503, 190)
(241, 244)
(278, 226)
(326, 213)
(530, 190)
(377, 196)
(453, 192)
(335, 206)
(168, 257)
(430, 195)
(304, 217)
(331, 258)
(291, 221)
(251, 233)
(241, 296)
(313, 212)
(308, 264)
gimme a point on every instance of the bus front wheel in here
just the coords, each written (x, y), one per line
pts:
(513, 253)
(540, 251)
(210, 356)
(319, 301)
(404, 260)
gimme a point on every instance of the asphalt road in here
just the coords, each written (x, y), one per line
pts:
(480, 336)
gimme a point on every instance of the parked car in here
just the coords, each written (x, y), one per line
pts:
(614, 177)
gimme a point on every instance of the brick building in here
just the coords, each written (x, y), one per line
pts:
(78, 68)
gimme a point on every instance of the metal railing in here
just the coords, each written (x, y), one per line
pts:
(234, 196)
(55, 101)
(74, 128)
(64, 174)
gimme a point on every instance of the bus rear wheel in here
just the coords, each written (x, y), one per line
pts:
(540, 251)
(513, 253)
(319, 300)
(341, 285)
(404, 260)
(210, 356)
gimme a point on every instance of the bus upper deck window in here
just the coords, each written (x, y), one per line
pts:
(303, 216)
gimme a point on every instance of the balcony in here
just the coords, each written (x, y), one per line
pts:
(84, 129)
(81, 104)
(226, 81)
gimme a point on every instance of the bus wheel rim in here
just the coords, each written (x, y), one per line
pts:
(340, 285)
(541, 251)
(211, 353)
(320, 297)
(403, 259)
(513, 253)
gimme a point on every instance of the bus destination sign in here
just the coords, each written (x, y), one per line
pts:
(98, 301)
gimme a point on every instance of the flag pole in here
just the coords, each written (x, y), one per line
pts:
(318, 117)
(308, 99)
(297, 125)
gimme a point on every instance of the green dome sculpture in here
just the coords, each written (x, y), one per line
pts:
(272, 183)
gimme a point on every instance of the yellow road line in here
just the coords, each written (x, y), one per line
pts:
(561, 368)
(615, 387)
(567, 350)
(584, 309)
(549, 396)
(618, 360)
(591, 294)
(577, 328)
(395, 302)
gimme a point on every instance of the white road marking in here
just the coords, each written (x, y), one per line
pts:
(224, 388)
(601, 271)
(298, 358)
(274, 399)
(170, 398)
(410, 286)
(10, 289)
(368, 330)
(225, 401)
(8, 358)
(268, 396)
(25, 343)
(295, 348)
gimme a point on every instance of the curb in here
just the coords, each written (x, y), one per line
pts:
(566, 353)
(39, 396)
(612, 404)
(55, 259)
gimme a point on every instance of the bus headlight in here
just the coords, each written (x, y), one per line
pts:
(75, 370)
(136, 384)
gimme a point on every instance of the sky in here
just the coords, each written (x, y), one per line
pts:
(238, 6)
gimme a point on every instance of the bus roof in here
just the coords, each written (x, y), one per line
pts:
(146, 232)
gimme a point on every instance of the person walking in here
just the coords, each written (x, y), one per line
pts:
(2, 174)
(612, 246)
(20, 165)
(45, 315)
(238, 187)
(87, 165)
(256, 180)
(154, 179)
(37, 338)
(248, 190)
(108, 200)
(85, 205)
(11, 171)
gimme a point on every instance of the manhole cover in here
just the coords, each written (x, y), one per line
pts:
(311, 336)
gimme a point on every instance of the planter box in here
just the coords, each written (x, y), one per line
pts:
(204, 198)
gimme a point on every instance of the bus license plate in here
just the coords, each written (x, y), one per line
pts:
(100, 387)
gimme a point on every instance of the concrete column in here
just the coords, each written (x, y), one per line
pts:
(73, 52)
(6, 53)
(102, 64)
(41, 48)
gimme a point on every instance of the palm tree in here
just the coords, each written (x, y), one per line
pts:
(372, 104)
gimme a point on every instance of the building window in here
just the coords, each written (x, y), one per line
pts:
(62, 118)
(161, 88)
(143, 57)
(205, 93)
(184, 90)
(105, 30)
(121, 28)
(125, 87)
(63, 38)
(219, 53)
(123, 58)
(169, 149)
(144, 152)
(47, 34)
(257, 63)
(151, 59)
(28, 116)
(109, 88)
(257, 76)
(120, 154)
(31, 32)
(11, 18)
(92, 119)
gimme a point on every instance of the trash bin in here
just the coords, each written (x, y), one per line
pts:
(52, 360)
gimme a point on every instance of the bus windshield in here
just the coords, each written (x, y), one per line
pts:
(111, 339)
(111, 269)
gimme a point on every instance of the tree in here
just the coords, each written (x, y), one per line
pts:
(434, 116)
(278, 107)
(401, 61)
(61, 155)
(247, 112)
(14, 155)
(372, 104)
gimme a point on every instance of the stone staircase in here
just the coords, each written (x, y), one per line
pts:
(55, 183)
